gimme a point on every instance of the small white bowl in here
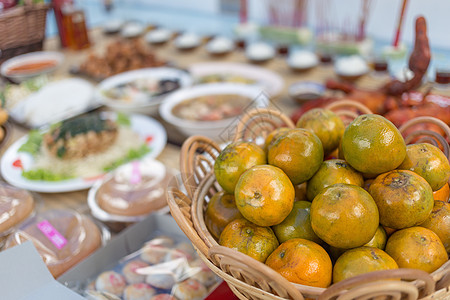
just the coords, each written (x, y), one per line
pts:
(219, 130)
(302, 60)
(351, 67)
(132, 30)
(220, 45)
(187, 41)
(33, 57)
(158, 36)
(113, 26)
(260, 52)
(150, 107)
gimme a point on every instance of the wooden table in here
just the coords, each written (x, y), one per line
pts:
(170, 155)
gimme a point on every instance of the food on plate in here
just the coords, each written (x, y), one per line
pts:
(80, 137)
(205, 276)
(15, 93)
(15, 206)
(31, 67)
(189, 289)
(361, 260)
(142, 90)
(163, 297)
(213, 78)
(111, 282)
(417, 248)
(120, 56)
(84, 146)
(138, 291)
(211, 107)
(248, 238)
(303, 262)
(134, 189)
(63, 238)
(161, 280)
(129, 271)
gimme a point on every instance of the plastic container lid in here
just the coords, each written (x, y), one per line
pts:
(16, 205)
(130, 192)
(62, 237)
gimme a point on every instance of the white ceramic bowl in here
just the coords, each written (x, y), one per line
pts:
(187, 41)
(158, 36)
(220, 45)
(152, 105)
(220, 130)
(259, 52)
(302, 60)
(32, 57)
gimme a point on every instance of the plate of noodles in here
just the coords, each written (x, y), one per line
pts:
(71, 155)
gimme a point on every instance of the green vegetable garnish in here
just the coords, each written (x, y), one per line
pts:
(123, 119)
(132, 154)
(45, 175)
(33, 144)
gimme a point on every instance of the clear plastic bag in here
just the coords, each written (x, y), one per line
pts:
(62, 237)
(16, 205)
(164, 268)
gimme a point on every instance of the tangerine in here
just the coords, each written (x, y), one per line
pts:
(297, 224)
(439, 222)
(220, 211)
(298, 153)
(256, 241)
(417, 248)
(274, 135)
(429, 162)
(404, 198)
(264, 195)
(234, 160)
(344, 216)
(303, 262)
(361, 260)
(373, 145)
(442, 194)
(379, 239)
(328, 127)
(330, 172)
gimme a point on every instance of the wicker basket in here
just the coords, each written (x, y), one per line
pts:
(250, 279)
(22, 30)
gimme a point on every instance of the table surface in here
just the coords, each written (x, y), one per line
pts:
(170, 155)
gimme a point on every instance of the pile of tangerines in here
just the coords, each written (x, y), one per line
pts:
(380, 204)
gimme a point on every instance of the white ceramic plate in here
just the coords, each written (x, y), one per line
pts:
(151, 106)
(269, 81)
(12, 162)
(32, 57)
(55, 102)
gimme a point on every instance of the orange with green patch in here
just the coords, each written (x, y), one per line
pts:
(328, 127)
(429, 162)
(256, 241)
(220, 211)
(331, 172)
(298, 153)
(439, 222)
(361, 260)
(303, 262)
(344, 216)
(417, 248)
(264, 195)
(234, 160)
(404, 199)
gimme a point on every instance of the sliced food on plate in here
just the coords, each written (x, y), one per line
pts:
(71, 154)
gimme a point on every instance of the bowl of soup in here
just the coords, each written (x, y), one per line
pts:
(211, 110)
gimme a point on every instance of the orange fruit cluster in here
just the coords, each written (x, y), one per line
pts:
(316, 219)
